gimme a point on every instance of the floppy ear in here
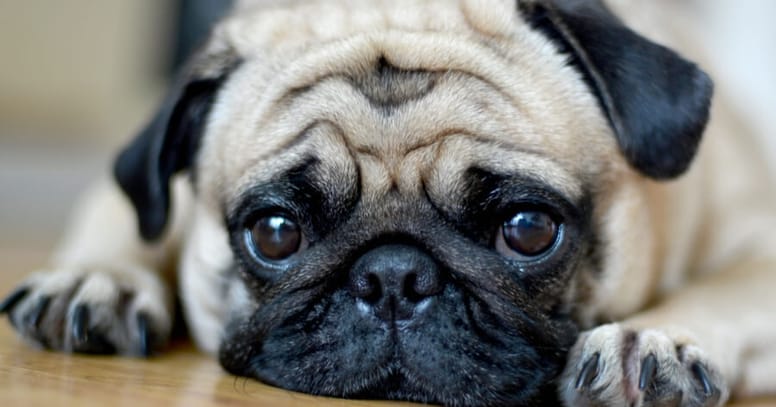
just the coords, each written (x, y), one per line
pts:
(167, 145)
(656, 102)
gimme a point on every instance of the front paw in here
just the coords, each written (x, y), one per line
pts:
(615, 366)
(96, 310)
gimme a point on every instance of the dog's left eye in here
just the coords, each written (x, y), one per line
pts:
(529, 233)
(274, 237)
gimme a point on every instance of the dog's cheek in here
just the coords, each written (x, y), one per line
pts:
(617, 280)
(325, 349)
(209, 286)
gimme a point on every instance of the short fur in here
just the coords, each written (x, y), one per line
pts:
(417, 128)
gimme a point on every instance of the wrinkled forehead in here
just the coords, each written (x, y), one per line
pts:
(399, 110)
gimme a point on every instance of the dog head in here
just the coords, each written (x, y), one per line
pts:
(418, 197)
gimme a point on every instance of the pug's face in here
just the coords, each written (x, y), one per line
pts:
(411, 215)
(421, 247)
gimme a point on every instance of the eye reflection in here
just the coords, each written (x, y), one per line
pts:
(528, 233)
(275, 237)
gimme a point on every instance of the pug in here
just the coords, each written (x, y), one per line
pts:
(459, 202)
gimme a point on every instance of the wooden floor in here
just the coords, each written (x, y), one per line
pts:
(183, 377)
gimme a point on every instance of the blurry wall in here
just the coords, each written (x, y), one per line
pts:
(80, 69)
(77, 78)
(740, 38)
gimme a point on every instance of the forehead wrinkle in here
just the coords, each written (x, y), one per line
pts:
(337, 89)
(391, 141)
(282, 131)
(436, 141)
(313, 141)
(458, 152)
(336, 98)
(451, 105)
(338, 103)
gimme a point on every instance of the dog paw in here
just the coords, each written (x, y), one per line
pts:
(98, 311)
(615, 366)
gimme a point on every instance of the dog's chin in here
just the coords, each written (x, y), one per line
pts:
(403, 379)
(399, 383)
(455, 353)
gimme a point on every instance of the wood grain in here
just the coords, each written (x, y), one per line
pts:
(182, 377)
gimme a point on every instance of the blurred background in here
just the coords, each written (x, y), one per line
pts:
(79, 77)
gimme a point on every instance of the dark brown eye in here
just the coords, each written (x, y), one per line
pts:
(528, 233)
(274, 237)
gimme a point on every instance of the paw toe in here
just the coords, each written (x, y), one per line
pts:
(80, 324)
(588, 373)
(144, 333)
(702, 375)
(705, 385)
(84, 338)
(648, 371)
(615, 366)
(33, 320)
(13, 299)
(91, 311)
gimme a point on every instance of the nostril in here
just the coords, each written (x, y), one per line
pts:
(419, 286)
(393, 280)
(376, 291)
(367, 287)
(409, 291)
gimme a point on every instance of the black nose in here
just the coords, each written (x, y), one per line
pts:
(393, 280)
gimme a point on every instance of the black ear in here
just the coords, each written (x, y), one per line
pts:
(167, 145)
(657, 102)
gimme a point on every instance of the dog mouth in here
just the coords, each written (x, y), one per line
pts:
(400, 326)
(451, 351)
(394, 374)
(397, 383)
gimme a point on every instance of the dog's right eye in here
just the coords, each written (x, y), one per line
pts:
(274, 238)
(529, 233)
